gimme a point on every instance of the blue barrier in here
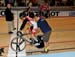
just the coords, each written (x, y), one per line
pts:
(62, 54)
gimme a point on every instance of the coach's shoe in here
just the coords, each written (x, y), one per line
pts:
(14, 28)
(46, 49)
(10, 32)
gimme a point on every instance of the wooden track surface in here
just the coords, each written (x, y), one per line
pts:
(63, 33)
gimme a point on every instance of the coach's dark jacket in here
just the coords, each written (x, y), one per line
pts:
(8, 15)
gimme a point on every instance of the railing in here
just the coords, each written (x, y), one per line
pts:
(55, 8)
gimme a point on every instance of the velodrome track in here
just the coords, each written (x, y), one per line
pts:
(62, 38)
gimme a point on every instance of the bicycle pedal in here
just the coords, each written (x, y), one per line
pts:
(19, 33)
(32, 41)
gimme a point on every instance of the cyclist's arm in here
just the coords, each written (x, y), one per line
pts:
(23, 24)
(34, 30)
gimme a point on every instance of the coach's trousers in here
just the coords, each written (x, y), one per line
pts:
(10, 25)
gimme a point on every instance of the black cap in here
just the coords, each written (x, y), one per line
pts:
(31, 14)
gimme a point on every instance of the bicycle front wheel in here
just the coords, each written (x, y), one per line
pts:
(18, 44)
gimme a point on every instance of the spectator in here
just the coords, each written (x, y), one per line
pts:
(70, 2)
(9, 18)
(6, 2)
(52, 3)
(44, 9)
(29, 3)
(9, 1)
(34, 2)
(1, 3)
(58, 3)
(64, 2)
(21, 3)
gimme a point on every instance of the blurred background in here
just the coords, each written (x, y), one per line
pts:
(37, 2)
